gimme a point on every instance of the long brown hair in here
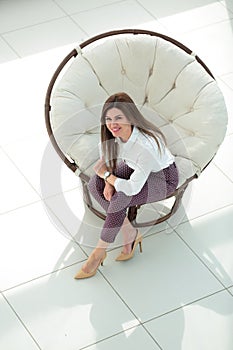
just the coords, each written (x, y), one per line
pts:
(123, 102)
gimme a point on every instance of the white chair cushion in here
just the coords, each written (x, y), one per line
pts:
(169, 86)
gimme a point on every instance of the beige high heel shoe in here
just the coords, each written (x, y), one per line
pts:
(81, 274)
(138, 240)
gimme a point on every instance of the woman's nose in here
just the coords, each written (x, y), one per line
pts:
(113, 124)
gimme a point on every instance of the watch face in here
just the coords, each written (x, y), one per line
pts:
(106, 174)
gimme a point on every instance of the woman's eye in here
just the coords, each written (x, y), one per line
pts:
(115, 119)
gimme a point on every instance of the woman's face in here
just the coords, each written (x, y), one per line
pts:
(118, 124)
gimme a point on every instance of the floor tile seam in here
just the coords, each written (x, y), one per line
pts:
(149, 12)
(95, 8)
(20, 171)
(70, 17)
(222, 171)
(10, 46)
(185, 221)
(197, 28)
(229, 292)
(143, 322)
(41, 197)
(108, 250)
(21, 322)
(106, 280)
(81, 248)
(231, 287)
(109, 337)
(152, 337)
(201, 261)
(33, 25)
(207, 26)
(201, 216)
(162, 231)
(160, 20)
(129, 309)
(184, 306)
(120, 245)
(225, 6)
(221, 77)
(120, 297)
(20, 207)
(57, 194)
(60, 7)
(51, 273)
(66, 229)
(79, 27)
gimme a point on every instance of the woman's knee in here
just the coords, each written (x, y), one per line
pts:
(95, 184)
(119, 203)
(123, 170)
(91, 184)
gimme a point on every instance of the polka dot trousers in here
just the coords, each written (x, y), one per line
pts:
(157, 187)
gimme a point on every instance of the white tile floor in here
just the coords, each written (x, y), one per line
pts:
(177, 295)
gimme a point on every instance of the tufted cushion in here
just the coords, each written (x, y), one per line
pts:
(168, 85)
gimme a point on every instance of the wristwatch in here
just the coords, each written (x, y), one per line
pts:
(106, 175)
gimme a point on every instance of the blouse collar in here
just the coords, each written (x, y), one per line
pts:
(126, 145)
(132, 137)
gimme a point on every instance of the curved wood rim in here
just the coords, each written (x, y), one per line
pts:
(74, 53)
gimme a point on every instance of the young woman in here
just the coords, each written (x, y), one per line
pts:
(135, 168)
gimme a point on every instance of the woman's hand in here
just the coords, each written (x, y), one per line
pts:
(109, 190)
(100, 168)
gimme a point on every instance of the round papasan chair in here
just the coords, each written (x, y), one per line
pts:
(171, 86)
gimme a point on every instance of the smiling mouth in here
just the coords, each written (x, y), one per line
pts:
(115, 130)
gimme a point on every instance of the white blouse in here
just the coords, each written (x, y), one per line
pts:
(142, 154)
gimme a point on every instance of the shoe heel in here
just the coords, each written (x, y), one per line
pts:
(140, 246)
(102, 262)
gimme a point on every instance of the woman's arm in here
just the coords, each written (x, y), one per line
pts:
(100, 169)
(130, 186)
(108, 192)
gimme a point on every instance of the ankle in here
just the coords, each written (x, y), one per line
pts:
(98, 252)
(130, 236)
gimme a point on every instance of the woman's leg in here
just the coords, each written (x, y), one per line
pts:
(158, 186)
(129, 234)
(116, 213)
(96, 256)
(96, 186)
(170, 178)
